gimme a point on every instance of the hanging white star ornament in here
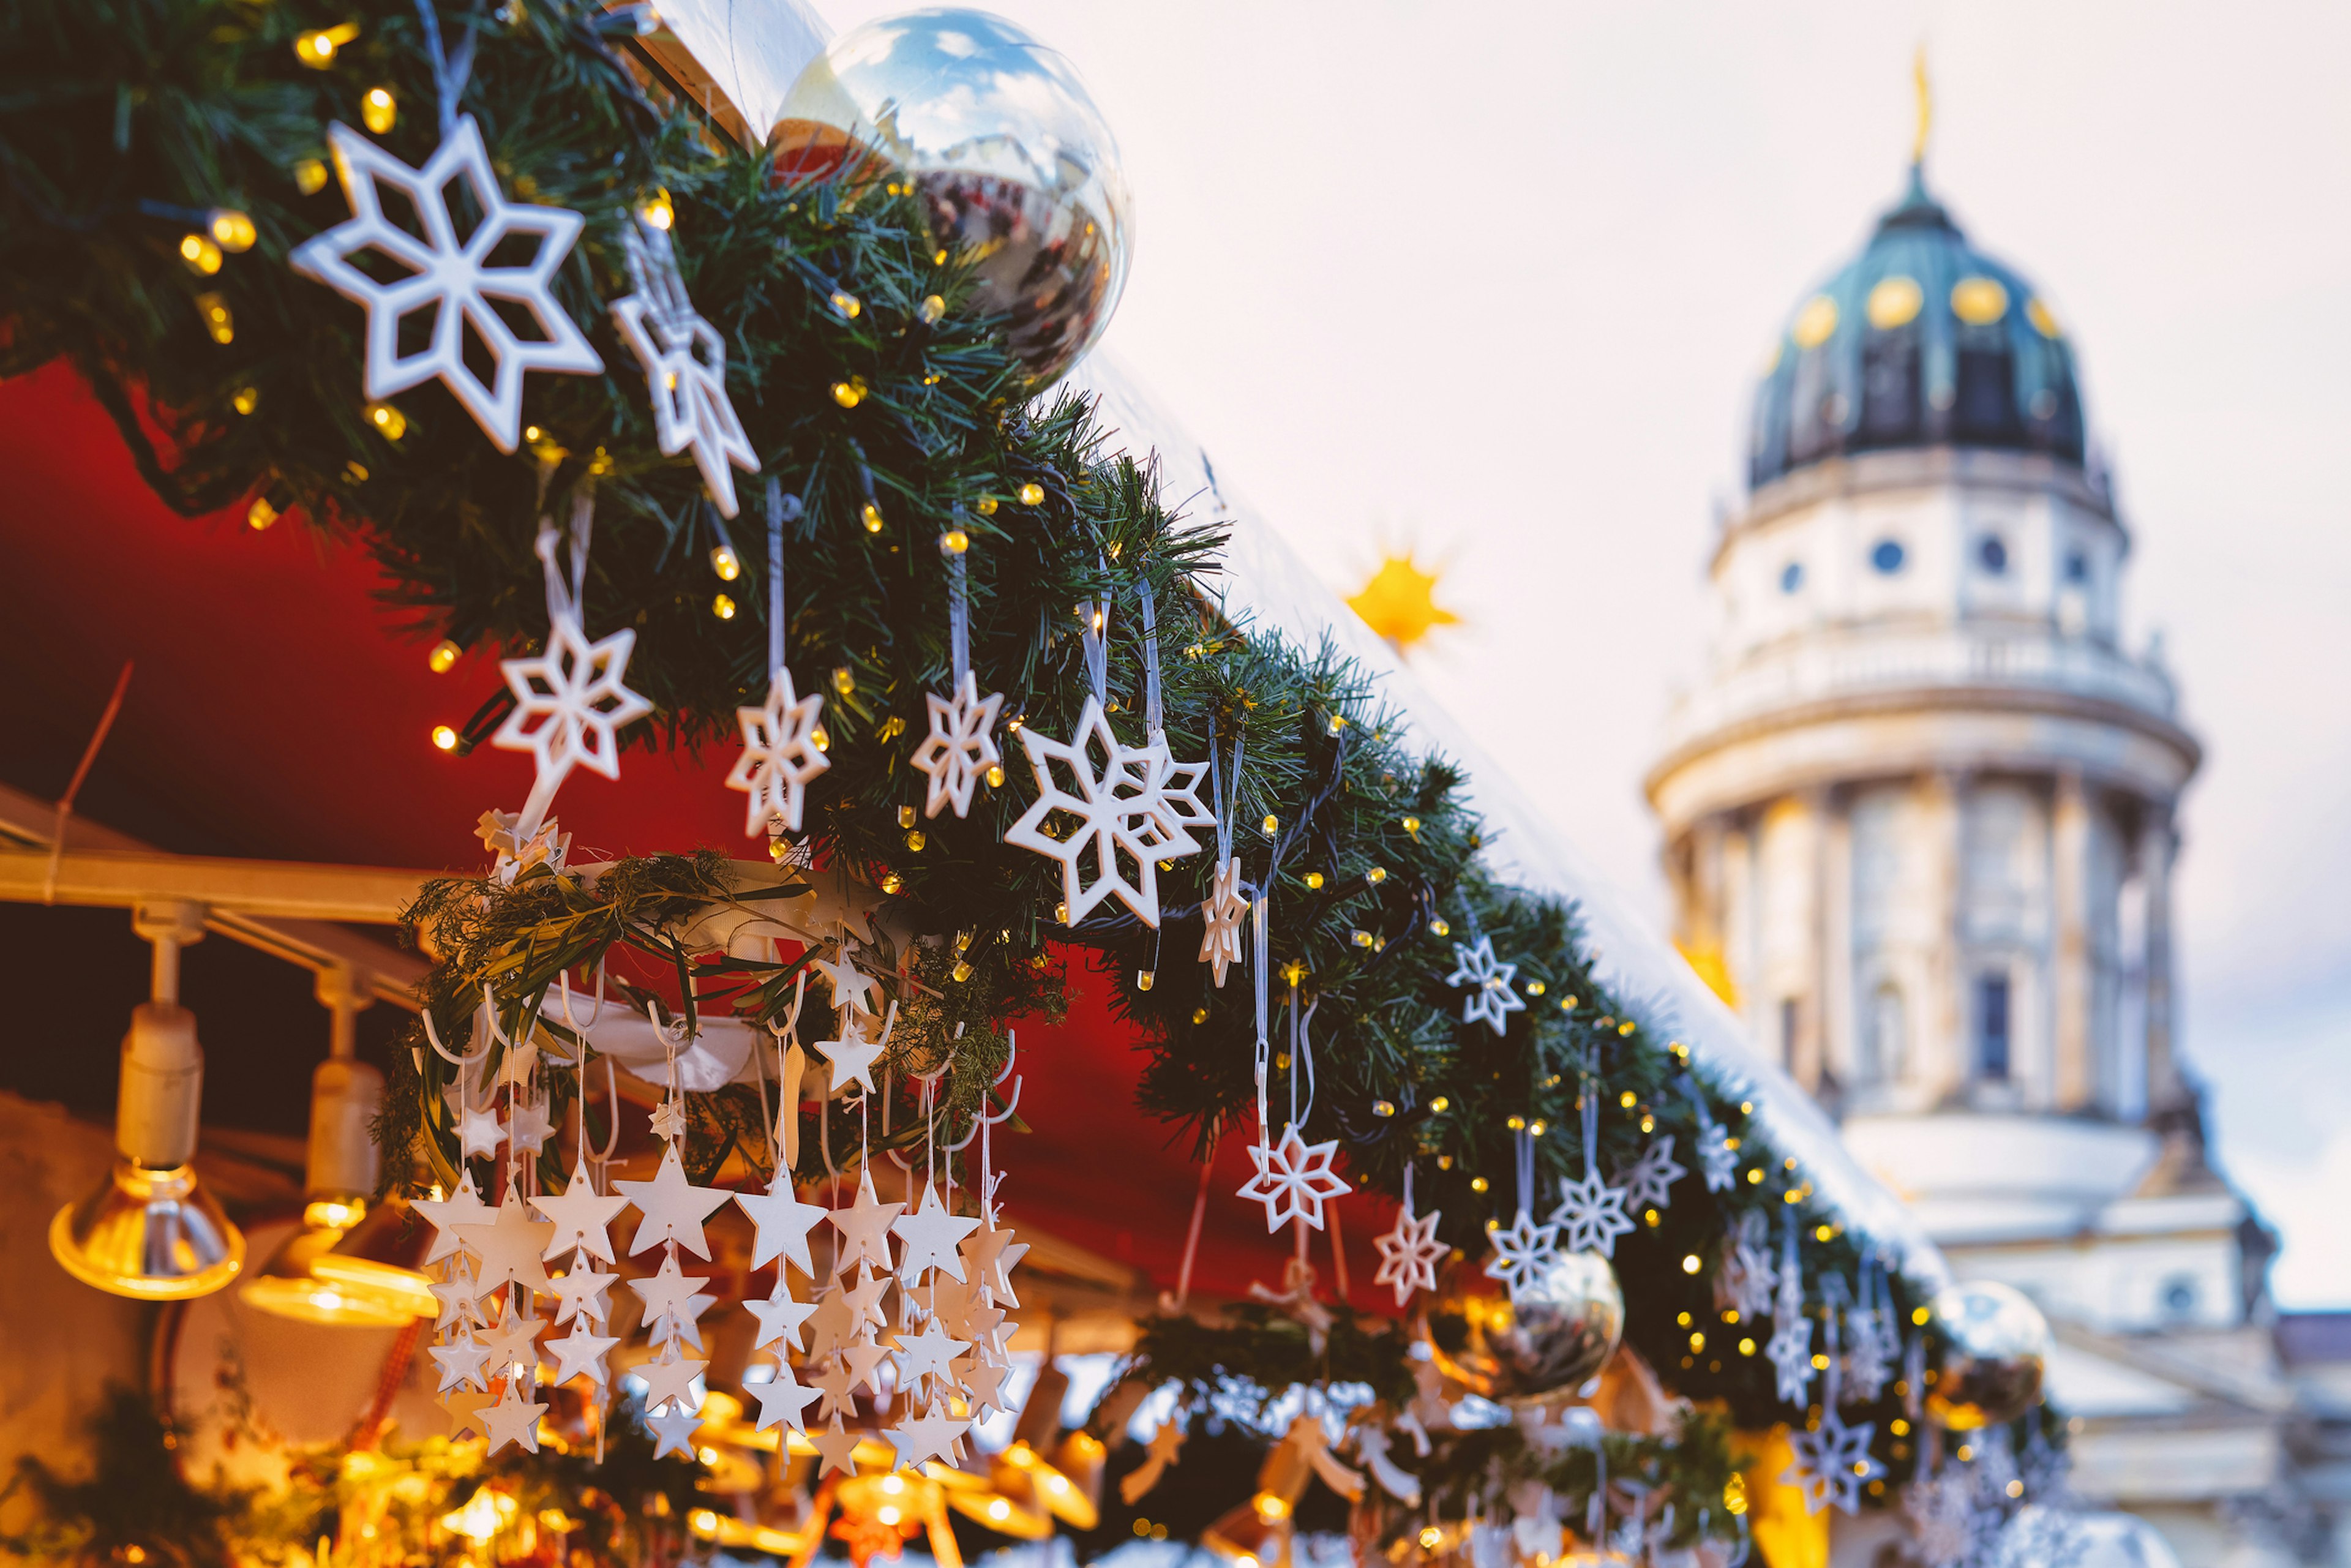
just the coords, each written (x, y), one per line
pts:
(1648, 1181)
(1789, 1351)
(479, 1132)
(582, 1217)
(684, 361)
(961, 747)
(1591, 1215)
(1409, 1254)
(1108, 799)
(1169, 803)
(781, 1223)
(514, 1420)
(780, 755)
(672, 1206)
(852, 1060)
(449, 1215)
(447, 280)
(1293, 1179)
(931, 1235)
(1831, 1463)
(781, 1400)
(780, 1318)
(569, 705)
(1522, 1251)
(673, 1431)
(1222, 915)
(581, 1352)
(511, 1245)
(1491, 997)
(864, 1228)
(1719, 1156)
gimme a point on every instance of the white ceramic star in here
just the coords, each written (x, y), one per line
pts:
(1648, 1181)
(1591, 1215)
(930, 1436)
(1492, 997)
(1831, 1462)
(580, 1353)
(669, 1380)
(668, 1121)
(513, 1344)
(570, 703)
(460, 1363)
(982, 1381)
(851, 1060)
(780, 755)
(1104, 799)
(449, 1215)
(989, 1256)
(580, 1293)
(832, 1382)
(460, 1297)
(513, 1420)
(865, 1229)
(1409, 1254)
(1293, 1179)
(670, 1291)
(961, 747)
(527, 1127)
(684, 361)
(1221, 916)
(864, 1302)
(511, 1245)
(672, 1206)
(781, 1223)
(582, 1217)
(780, 1317)
(781, 1400)
(673, 1431)
(865, 1358)
(929, 1354)
(451, 279)
(1522, 1251)
(838, 1449)
(851, 987)
(931, 1235)
(479, 1132)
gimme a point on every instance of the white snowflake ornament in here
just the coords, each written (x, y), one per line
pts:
(1831, 1463)
(1121, 839)
(1409, 1254)
(1591, 1215)
(1790, 1350)
(1293, 1179)
(570, 706)
(1492, 998)
(1222, 914)
(1717, 1157)
(1648, 1181)
(451, 280)
(780, 755)
(684, 361)
(1522, 1251)
(961, 747)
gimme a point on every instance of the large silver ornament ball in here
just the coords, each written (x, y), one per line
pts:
(1011, 160)
(1555, 1338)
(1995, 1347)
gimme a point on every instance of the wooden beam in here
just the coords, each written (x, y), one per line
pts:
(117, 880)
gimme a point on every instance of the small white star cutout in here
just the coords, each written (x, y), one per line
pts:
(570, 703)
(1222, 915)
(451, 281)
(779, 755)
(1522, 1251)
(1105, 799)
(514, 1420)
(1409, 1254)
(960, 748)
(1591, 1215)
(1491, 997)
(1293, 1179)
(1831, 1462)
(1648, 1181)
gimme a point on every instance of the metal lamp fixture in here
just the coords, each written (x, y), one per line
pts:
(152, 1232)
(350, 1264)
(1257, 1533)
(1062, 1474)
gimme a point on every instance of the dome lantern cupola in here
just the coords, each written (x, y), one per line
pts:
(1920, 340)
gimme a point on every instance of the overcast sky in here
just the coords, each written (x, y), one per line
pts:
(1494, 278)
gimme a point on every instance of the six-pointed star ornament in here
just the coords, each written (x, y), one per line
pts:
(1170, 804)
(961, 747)
(684, 361)
(1522, 1251)
(1591, 1215)
(449, 280)
(1221, 915)
(1409, 1254)
(1831, 1462)
(1106, 798)
(672, 1206)
(1789, 1349)
(1649, 1182)
(1718, 1155)
(1491, 997)
(570, 706)
(1293, 1179)
(780, 755)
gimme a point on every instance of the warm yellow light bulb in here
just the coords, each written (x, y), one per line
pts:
(200, 252)
(844, 679)
(377, 110)
(310, 176)
(1272, 824)
(388, 419)
(985, 506)
(445, 653)
(1032, 493)
(932, 308)
(849, 393)
(722, 607)
(870, 515)
(261, 514)
(247, 400)
(218, 321)
(445, 738)
(317, 50)
(233, 231)
(955, 541)
(657, 212)
(723, 562)
(847, 304)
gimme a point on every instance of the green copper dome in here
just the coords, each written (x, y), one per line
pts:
(1920, 340)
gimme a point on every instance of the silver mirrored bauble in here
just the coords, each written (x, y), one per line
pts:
(1557, 1334)
(1995, 1345)
(1008, 155)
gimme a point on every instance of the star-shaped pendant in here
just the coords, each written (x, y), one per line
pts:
(670, 1291)
(479, 1132)
(982, 1381)
(668, 1121)
(1591, 1215)
(1222, 914)
(673, 1431)
(460, 1296)
(449, 281)
(930, 1354)
(461, 1363)
(1648, 1181)
(837, 1448)
(582, 1217)
(580, 1353)
(832, 1382)
(960, 748)
(578, 1293)
(514, 1343)
(780, 755)
(864, 1228)
(990, 1254)
(831, 1324)
(931, 1235)
(1831, 1462)
(527, 1127)
(513, 1420)
(669, 1380)
(850, 1058)
(781, 1223)
(672, 1206)
(862, 1299)
(511, 1245)
(1523, 1251)
(466, 1414)
(780, 1318)
(684, 361)
(1491, 997)
(449, 1215)
(1789, 1349)
(781, 1400)
(1103, 797)
(866, 1359)
(930, 1436)
(1409, 1254)
(571, 703)
(1293, 1179)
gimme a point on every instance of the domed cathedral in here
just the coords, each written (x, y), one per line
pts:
(1921, 824)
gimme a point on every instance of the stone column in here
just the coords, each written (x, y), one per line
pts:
(1840, 1046)
(2073, 1065)
(1945, 1051)
(1807, 815)
(2159, 842)
(1701, 913)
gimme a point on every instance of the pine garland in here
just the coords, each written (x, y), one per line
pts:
(889, 413)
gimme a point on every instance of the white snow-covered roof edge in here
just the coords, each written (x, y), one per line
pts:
(1268, 584)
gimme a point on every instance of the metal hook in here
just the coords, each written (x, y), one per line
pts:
(442, 1050)
(613, 1111)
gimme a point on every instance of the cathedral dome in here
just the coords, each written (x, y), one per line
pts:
(1920, 340)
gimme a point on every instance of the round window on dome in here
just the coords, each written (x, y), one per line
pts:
(1978, 301)
(1888, 557)
(1895, 302)
(1815, 322)
(1993, 553)
(1791, 577)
